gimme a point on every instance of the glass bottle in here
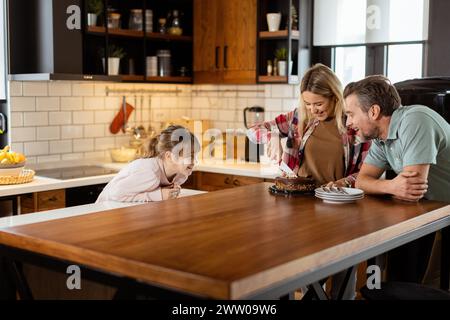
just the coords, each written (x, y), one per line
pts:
(175, 28)
(269, 67)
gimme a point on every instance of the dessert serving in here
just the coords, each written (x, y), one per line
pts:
(296, 184)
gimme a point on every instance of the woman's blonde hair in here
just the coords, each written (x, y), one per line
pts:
(321, 80)
(176, 139)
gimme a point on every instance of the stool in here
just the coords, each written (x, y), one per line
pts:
(404, 291)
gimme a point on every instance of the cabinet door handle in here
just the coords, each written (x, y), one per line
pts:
(225, 57)
(227, 180)
(236, 182)
(217, 57)
(54, 198)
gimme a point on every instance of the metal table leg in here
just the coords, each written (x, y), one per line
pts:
(445, 259)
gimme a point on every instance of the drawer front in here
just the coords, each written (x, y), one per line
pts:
(215, 181)
(53, 199)
(239, 181)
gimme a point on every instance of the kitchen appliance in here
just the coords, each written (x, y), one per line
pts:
(432, 92)
(253, 115)
(75, 172)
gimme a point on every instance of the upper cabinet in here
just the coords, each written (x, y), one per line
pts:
(137, 40)
(225, 41)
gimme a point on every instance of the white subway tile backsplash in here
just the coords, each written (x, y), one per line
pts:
(290, 104)
(23, 134)
(72, 156)
(200, 102)
(60, 118)
(78, 114)
(274, 104)
(94, 103)
(15, 88)
(36, 148)
(71, 132)
(35, 119)
(23, 104)
(59, 89)
(104, 116)
(47, 104)
(16, 119)
(83, 117)
(96, 155)
(94, 131)
(17, 147)
(226, 115)
(282, 91)
(169, 102)
(113, 103)
(71, 103)
(48, 133)
(46, 159)
(82, 89)
(61, 146)
(104, 143)
(83, 145)
(35, 89)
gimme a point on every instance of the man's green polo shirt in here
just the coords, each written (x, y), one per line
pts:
(417, 135)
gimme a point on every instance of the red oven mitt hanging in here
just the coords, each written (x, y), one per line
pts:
(121, 119)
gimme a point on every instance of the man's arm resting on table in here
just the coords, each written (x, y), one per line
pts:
(410, 185)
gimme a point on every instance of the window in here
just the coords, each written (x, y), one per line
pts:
(350, 63)
(404, 62)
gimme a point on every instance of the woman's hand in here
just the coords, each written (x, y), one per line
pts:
(171, 192)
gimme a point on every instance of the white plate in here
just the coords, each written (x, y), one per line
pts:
(321, 196)
(338, 201)
(350, 192)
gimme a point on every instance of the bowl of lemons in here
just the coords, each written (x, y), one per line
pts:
(11, 163)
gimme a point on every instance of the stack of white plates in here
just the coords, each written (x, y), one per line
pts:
(339, 195)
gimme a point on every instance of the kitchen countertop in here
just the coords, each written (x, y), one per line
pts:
(265, 171)
(48, 215)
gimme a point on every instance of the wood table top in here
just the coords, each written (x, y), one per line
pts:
(225, 244)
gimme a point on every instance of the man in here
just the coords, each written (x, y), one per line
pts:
(413, 141)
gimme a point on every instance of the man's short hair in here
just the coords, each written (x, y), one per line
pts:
(375, 90)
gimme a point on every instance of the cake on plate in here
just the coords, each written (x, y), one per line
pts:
(298, 184)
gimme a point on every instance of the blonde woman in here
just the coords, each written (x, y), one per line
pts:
(318, 144)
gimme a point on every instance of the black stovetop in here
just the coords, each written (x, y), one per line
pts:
(75, 172)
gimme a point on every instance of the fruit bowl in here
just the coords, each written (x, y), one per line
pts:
(12, 169)
(123, 154)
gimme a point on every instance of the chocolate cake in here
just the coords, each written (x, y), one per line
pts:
(295, 184)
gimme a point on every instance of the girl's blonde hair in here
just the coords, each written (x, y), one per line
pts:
(175, 139)
(321, 80)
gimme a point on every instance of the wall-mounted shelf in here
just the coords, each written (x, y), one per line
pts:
(294, 36)
(282, 34)
(170, 79)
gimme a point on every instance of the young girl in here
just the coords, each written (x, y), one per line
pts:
(158, 175)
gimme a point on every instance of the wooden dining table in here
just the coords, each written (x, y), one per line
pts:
(240, 243)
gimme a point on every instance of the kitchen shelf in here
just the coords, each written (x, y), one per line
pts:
(101, 31)
(282, 34)
(272, 79)
(170, 79)
(129, 77)
(168, 37)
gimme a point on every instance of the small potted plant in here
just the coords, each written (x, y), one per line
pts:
(281, 56)
(94, 9)
(114, 56)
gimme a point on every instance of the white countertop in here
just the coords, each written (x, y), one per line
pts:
(265, 171)
(13, 221)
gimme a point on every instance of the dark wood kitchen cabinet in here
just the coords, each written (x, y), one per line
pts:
(50, 40)
(225, 41)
